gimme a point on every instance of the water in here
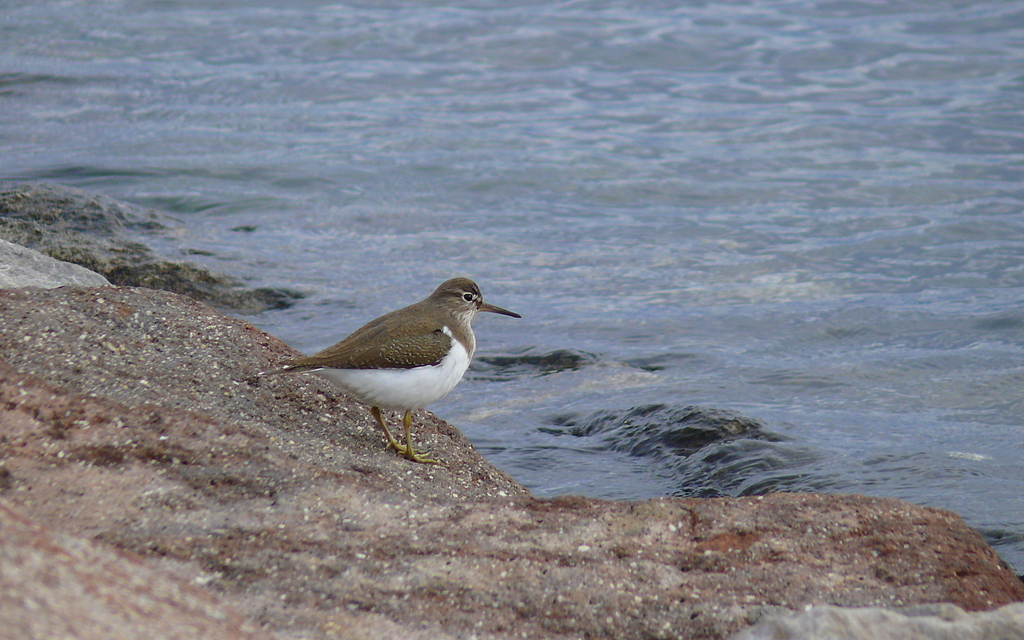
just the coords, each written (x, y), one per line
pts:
(804, 213)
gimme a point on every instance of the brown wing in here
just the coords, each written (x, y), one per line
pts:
(371, 348)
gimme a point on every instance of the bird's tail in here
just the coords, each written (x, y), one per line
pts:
(288, 368)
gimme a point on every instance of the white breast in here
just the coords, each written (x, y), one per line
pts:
(403, 388)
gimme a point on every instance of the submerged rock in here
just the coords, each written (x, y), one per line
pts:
(661, 430)
(90, 230)
(701, 451)
(132, 420)
(507, 367)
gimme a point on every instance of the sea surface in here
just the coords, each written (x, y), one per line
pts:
(807, 216)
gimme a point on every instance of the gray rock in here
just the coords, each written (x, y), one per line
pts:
(24, 267)
(97, 232)
(922, 622)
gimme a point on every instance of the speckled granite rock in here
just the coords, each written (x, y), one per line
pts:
(924, 622)
(92, 230)
(53, 585)
(24, 267)
(134, 418)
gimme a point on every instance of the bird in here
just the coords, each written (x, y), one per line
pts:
(406, 359)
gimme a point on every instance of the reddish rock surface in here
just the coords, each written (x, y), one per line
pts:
(58, 586)
(133, 420)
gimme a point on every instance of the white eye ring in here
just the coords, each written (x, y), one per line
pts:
(468, 297)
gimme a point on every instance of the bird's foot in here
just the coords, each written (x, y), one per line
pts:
(419, 457)
(406, 451)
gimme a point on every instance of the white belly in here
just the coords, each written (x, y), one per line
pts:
(403, 388)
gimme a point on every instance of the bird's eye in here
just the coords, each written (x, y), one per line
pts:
(468, 297)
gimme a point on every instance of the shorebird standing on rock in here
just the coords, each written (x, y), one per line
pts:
(406, 359)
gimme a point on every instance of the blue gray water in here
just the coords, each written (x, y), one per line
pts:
(806, 213)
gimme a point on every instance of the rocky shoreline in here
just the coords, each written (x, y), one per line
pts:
(151, 483)
(99, 233)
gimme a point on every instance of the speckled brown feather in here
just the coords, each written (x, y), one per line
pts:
(397, 340)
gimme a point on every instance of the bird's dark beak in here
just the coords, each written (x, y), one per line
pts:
(484, 306)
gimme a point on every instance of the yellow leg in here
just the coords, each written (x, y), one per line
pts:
(409, 452)
(402, 449)
(387, 433)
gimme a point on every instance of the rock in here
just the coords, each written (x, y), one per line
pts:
(134, 419)
(162, 357)
(659, 430)
(508, 367)
(92, 231)
(57, 586)
(24, 267)
(925, 622)
(706, 452)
